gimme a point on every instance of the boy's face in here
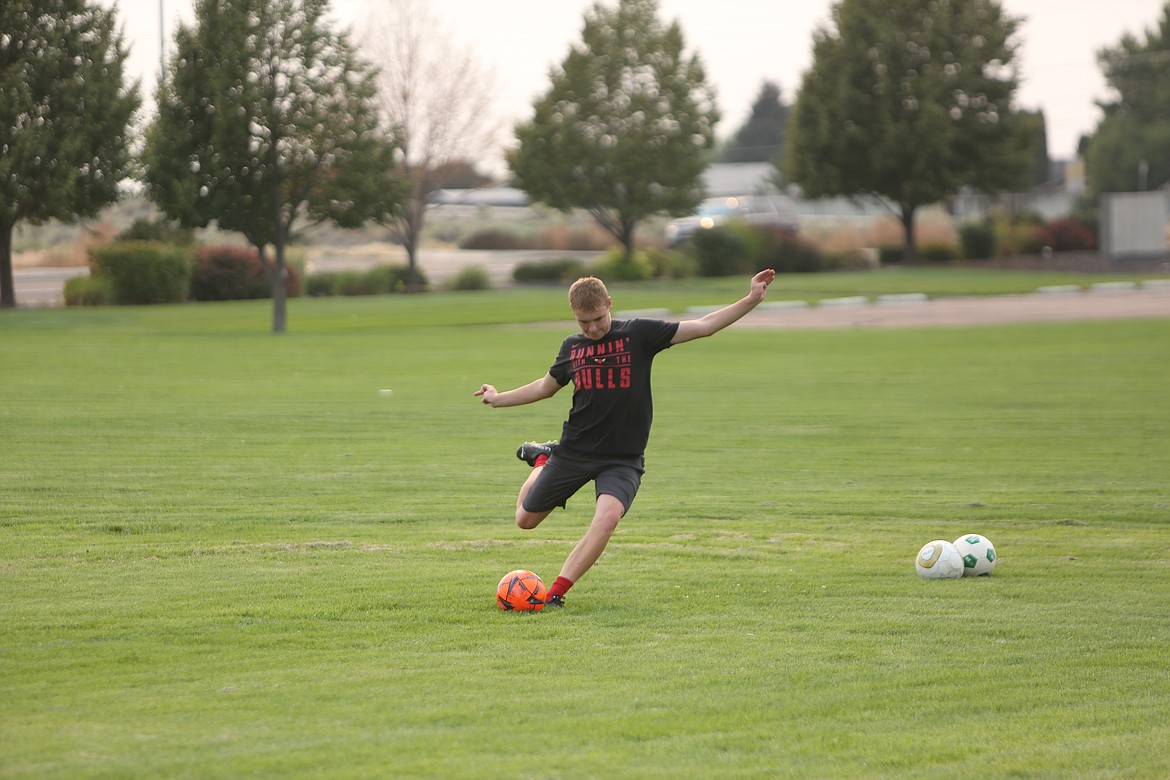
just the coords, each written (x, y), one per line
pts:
(595, 323)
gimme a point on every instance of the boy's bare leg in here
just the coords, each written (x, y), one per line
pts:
(525, 519)
(605, 519)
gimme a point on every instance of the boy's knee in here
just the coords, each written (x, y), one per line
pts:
(528, 520)
(607, 519)
(610, 506)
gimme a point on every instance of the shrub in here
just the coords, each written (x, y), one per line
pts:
(492, 238)
(1024, 238)
(143, 272)
(739, 248)
(938, 253)
(231, 273)
(1017, 233)
(472, 277)
(354, 283)
(88, 290)
(788, 253)
(1067, 235)
(564, 269)
(977, 241)
(846, 261)
(669, 264)
(379, 280)
(617, 266)
(720, 251)
(934, 252)
(321, 285)
(395, 278)
(1032, 218)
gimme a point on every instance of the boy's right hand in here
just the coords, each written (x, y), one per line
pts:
(487, 392)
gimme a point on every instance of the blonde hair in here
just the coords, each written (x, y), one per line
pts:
(587, 294)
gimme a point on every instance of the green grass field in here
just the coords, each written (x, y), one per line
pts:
(227, 554)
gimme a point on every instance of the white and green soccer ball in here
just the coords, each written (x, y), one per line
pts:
(978, 555)
(939, 560)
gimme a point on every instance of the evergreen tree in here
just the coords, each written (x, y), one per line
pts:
(625, 128)
(909, 101)
(761, 138)
(65, 115)
(267, 115)
(1033, 130)
(1136, 126)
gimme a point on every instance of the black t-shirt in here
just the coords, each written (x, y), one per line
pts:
(612, 406)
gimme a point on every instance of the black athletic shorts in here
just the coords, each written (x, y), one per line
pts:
(565, 473)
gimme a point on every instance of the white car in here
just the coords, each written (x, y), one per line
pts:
(775, 211)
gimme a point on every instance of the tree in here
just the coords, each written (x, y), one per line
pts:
(909, 101)
(624, 130)
(1131, 146)
(438, 98)
(1034, 132)
(266, 116)
(64, 116)
(761, 138)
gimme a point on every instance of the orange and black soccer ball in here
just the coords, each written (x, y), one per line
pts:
(521, 591)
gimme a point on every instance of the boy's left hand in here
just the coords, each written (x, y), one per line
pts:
(760, 283)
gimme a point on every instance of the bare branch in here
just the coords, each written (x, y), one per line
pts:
(436, 95)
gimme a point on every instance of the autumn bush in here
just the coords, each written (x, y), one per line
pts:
(1067, 235)
(233, 273)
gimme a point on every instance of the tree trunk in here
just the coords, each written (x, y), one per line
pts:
(412, 237)
(627, 237)
(910, 256)
(7, 284)
(413, 282)
(278, 275)
(279, 288)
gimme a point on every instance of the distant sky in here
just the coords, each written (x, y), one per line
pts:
(741, 42)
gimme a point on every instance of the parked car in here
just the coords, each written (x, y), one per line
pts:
(776, 211)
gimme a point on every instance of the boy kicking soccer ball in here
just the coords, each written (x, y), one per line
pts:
(604, 438)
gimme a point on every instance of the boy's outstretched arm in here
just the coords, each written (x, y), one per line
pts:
(545, 387)
(689, 330)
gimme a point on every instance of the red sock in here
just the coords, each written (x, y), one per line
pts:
(560, 587)
(540, 460)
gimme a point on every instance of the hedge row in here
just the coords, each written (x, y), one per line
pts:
(135, 272)
(999, 237)
(379, 280)
(140, 272)
(727, 250)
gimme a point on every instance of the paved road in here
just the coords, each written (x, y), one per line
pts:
(37, 287)
(1092, 304)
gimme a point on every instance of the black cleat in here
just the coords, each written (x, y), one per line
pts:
(554, 602)
(530, 450)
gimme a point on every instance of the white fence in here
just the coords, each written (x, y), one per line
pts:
(1134, 223)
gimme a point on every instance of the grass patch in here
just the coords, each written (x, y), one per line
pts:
(227, 554)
